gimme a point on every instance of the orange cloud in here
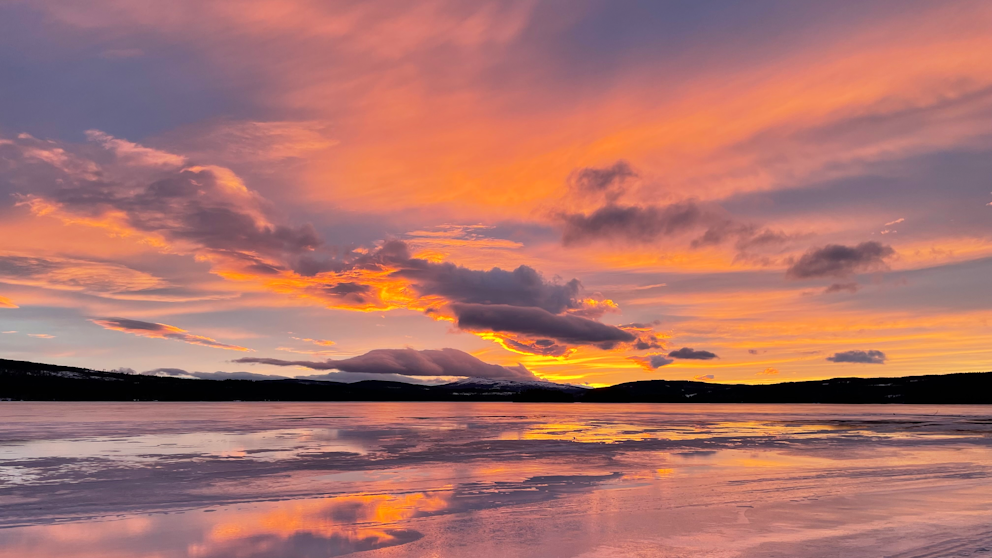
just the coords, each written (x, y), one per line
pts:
(323, 342)
(7, 303)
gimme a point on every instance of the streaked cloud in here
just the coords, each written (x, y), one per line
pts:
(92, 277)
(851, 287)
(322, 342)
(161, 331)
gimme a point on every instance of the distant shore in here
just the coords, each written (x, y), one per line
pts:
(30, 381)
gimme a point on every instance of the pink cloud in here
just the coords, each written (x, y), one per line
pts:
(161, 331)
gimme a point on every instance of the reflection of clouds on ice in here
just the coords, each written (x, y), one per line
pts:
(570, 480)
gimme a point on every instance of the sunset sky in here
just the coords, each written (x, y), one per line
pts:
(583, 192)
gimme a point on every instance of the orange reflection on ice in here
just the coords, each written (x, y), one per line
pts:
(342, 525)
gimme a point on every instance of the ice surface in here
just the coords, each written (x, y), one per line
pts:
(308, 480)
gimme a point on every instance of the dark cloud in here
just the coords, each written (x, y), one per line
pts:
(652, 362)
(161, 331)
(194, 205)
(861, 357)
(545, 347)
(753, 237)
(523, 286)
(543, 315)
(356, 292)
(228, 228)
(835, 260)
(132, 325)
(841, 287)
(631, 223)
(607, 181)
(410, 362)
(692, 354)
(539, 323)
(645, 224)
(644, 344)
(131, 189)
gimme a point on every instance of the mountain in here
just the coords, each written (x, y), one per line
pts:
(965, 388)
(31, 381)
(470, 385)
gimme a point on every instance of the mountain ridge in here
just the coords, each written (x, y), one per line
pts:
(22, 380)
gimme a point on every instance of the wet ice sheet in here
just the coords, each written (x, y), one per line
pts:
(427, 479)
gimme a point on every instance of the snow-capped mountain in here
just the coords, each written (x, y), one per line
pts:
(509, 386)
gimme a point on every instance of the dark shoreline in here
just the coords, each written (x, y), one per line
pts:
(28, 381)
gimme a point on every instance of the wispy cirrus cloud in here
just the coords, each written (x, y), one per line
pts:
(155, 330)
(322, 342)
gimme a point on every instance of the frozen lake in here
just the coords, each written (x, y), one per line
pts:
(314, 480)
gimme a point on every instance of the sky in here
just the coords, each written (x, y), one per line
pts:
(580, 192)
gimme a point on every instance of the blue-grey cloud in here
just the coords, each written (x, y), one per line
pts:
(645, 224)
(652, 361)
(632, 223)
(608, 182)
(835, 260)
(860, 357)
(841, 287)
(523, 286)
(539, 323)
(692, 354)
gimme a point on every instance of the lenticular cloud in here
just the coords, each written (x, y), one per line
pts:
(410, 362)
